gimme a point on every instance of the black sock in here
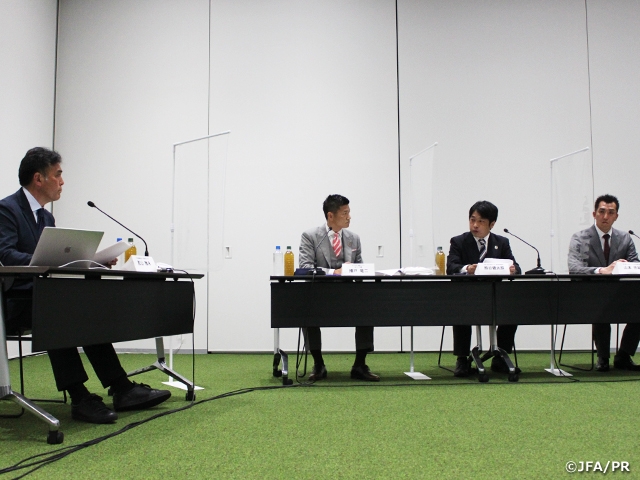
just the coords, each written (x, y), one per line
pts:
(317, 357)
(361, 357)
(121, 384)
(78, 392)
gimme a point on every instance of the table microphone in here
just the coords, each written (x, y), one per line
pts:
(315, 270)
(631, 233)
(146, 249)
(534, 271)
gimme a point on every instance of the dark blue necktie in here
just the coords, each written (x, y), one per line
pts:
(40, 216)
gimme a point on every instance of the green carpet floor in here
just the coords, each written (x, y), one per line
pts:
(400, 428)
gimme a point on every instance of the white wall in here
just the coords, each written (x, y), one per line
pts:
(27, 85)
(308, 90)
(27, 82)
(132, 80)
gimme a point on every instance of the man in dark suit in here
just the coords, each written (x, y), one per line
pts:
(596, 250)
(331, 245)
(466, 251)
(22, 219)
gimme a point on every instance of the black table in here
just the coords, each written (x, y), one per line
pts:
(75, 307)
(453, 300)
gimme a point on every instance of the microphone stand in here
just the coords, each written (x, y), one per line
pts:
(146, 249)
(534, 271)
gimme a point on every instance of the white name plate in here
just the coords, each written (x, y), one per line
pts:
(358, 269)
(138, 263)
(626, 268)
(493, 269)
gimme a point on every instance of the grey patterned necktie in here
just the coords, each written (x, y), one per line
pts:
(483, 249)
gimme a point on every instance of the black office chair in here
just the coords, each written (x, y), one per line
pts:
(22, 335)
(25, 336)
(593, 350)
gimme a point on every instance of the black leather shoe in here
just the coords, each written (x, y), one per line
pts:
(363, 373)
(623, 361)
(318, 373)
(139, 397)
(602, 365)
(462, 367)
(499, 365)
(92, 410)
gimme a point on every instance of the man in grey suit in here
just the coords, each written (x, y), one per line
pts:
(596, 250)
(329, 246)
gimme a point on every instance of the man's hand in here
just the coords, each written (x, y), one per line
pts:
(471, 269)
(338, 271)
(512, 270)
(111, 263)
(609, 270)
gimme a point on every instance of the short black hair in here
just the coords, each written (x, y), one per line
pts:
(486, 210)
(333, 203)
(37, 160)
(606, 198)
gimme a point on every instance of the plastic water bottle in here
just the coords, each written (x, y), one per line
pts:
(132, 250)
(278, 262)
(441, 261)
(289, 266)
(121, 256)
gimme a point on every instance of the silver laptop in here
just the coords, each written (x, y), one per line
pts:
(60, 247)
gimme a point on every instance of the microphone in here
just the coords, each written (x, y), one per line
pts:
(315, 270)
(534, 271)
(146, 249)
(631, 233)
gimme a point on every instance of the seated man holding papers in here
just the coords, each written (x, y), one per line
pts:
(466, 252)
(22, 220)
(329, 246)
(596, 250)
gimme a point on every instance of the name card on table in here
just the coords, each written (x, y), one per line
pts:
(138, 263)
(627, 268)
(493, 269)
(358, 269)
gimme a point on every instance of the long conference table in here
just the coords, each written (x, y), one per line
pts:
(75, 307)
(386, 301)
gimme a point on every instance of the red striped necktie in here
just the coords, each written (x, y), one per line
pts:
(336, 244)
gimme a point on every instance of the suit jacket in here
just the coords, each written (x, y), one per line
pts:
(586, 254)
(19, 230)
(326, 257)
(464, 251)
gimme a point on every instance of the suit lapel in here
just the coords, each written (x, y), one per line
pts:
(347, 245)
(492, 246)
(596, 247)
(614, 246)
(471, 246)
(27, 213)
(325, 247)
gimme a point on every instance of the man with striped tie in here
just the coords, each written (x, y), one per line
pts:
(466, 251)
(331, 245)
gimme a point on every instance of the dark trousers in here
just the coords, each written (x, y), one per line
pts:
(628, 344)
(462, 338)
(66, 362)
(364, 338)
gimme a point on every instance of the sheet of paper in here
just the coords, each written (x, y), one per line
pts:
(499, 261)
(388, 273)
(106, 255)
